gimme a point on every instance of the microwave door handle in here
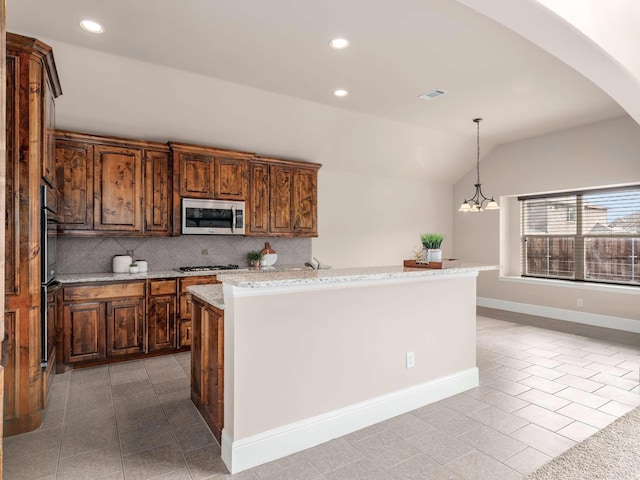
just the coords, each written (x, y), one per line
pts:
(233, 219)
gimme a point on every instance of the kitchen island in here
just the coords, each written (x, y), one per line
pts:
(305, 357)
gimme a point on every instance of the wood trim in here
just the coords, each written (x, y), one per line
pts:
(191, 148)
(110, 140)
(289, 162)
(45, 52)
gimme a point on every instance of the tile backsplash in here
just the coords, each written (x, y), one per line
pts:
(94, 255)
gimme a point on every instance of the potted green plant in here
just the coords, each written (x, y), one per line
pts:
(254, 258)
(431, 243)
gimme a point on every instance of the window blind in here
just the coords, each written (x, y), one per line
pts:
(591, 235)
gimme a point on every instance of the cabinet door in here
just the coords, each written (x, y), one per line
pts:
(213, 369)
(74, 162)
(157, 196)
(117, 189)
(281, 193)
(196, 175)
(84, 331)
(196, 354)
(161, 321)
(305, 202)
(125, 326)
(230, 175)
(258, 208)
(185, 334)
(48, 154)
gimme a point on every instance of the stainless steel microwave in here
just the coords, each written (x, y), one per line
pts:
(212, 217)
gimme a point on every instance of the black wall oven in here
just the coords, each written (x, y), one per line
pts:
(48, 270)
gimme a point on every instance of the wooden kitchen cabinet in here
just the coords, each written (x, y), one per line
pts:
(162, 314)
(186, 307)
(231, 176)
(84, 336)
(305, 202)
(102, 320)
(125, 326)
(258, 208)
(32, 84)
(207, 365)
(74, 161)
(196, 172)
(117, 189)
(113, 186)
(283, 198)
(158, 192)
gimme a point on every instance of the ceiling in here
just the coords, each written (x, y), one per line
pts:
(398, 51)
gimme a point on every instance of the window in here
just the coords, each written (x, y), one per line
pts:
(591, 236)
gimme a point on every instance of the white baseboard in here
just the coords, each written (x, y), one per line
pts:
(282, 441)
(617, 323)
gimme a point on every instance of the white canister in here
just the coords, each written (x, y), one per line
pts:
(121, 263)
(143, 266)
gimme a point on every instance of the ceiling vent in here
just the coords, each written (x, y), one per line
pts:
(432, 94)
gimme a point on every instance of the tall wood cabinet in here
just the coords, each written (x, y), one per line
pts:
(32, 85)
(113, 185)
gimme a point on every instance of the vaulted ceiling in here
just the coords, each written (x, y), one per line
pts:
(398, 50)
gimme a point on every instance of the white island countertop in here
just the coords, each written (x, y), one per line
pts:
(342, 275)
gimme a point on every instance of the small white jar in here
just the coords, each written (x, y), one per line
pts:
(143, 266)
(133, 269)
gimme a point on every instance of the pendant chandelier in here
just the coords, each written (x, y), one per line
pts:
(477, 202)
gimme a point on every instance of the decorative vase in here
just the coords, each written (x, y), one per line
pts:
(269, 255)
(435, 255)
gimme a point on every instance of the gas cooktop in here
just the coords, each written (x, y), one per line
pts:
(207, 268)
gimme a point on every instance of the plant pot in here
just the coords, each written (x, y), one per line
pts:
(434, 255)
(255, 263)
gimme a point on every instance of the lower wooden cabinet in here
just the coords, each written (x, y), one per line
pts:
(207, 365)
(84, 327)
(161, 315)
(102, 321)
(125, 327)
(185, 307)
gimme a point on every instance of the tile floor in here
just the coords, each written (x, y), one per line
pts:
(540, 392)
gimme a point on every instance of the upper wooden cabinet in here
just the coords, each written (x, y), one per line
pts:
(205, 172)
(113, 185)
(284, 198)
(281, 198)
(117, 188)
(305, 201)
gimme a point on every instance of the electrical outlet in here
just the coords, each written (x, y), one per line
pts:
(205, 251)
(411, 361)
(580, 303)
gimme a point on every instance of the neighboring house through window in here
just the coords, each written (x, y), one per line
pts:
(591, 235)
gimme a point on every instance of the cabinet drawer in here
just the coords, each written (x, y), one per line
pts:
(162, 287)
(190, 281)
(100, 292)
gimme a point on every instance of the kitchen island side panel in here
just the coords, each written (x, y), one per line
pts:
(294, 355)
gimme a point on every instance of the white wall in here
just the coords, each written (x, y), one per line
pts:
(600, 154)
(382, 184)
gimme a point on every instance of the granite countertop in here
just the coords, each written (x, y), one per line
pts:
(341, 275)
(212, 294)
(155, 274)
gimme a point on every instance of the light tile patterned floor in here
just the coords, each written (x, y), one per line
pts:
(540, 392)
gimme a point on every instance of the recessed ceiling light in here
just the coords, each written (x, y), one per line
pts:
(340, 93)
(339, 43)
(91, 26)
